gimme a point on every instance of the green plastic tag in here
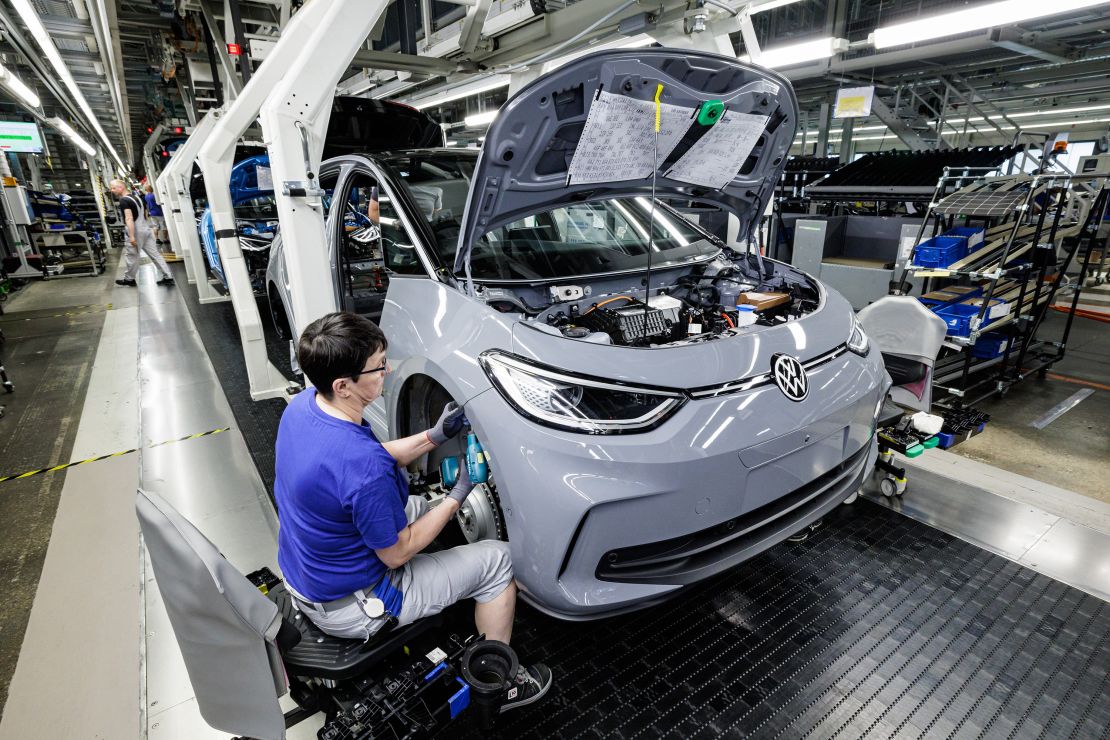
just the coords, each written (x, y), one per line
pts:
(914, 451)
(931, 442)
(710, 112)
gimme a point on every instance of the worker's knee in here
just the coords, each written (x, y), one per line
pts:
(501, 560)
(497, 567)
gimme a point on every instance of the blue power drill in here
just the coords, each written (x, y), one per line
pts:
(477, 462)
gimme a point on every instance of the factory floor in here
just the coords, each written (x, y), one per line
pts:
(101, 369)
(1073, 451)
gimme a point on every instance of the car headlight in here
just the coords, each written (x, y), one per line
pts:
(857, 340)
(577, 403)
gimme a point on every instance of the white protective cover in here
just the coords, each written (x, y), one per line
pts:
(223, 624)
(903, 326)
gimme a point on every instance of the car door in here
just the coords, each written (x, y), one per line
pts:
(375, 243)
(376, 246)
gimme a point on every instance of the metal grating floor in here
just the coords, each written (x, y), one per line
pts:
(877, 626)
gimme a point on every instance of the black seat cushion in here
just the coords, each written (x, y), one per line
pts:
(904, 371)
(319, 655)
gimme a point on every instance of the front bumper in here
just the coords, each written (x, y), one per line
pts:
(603, 524)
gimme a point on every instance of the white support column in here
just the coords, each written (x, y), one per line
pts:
(294, 120)
(99, 191)
(148, 152)
(175, 180)
(216, 159)
(176, 245)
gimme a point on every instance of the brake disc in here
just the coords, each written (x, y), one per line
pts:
(479, 516)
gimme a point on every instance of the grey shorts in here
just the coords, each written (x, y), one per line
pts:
(430, 583)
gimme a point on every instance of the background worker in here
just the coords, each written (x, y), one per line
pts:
(137, 236)
(154, 210)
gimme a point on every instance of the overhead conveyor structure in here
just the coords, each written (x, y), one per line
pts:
(174, 184)
(148, 152)
(318, 44)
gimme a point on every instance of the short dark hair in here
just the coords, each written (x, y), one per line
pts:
(337, 345)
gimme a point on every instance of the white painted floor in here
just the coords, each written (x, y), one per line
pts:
(99, 659)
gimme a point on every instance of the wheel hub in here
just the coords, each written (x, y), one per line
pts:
(478, 515)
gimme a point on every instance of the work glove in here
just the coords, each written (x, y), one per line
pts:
(450, 424)
(463, 486)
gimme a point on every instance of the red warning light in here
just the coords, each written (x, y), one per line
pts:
(178, 130)
(165, 153)
(150, 129)
(234, 49)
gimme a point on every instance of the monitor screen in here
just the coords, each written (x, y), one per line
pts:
(20, 136)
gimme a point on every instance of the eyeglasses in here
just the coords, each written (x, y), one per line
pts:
(382, 369)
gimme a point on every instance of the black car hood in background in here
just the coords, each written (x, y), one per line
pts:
(357, 126)
(525, 166)
(361, 125)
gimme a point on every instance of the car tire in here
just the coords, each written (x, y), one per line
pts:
(277, 315)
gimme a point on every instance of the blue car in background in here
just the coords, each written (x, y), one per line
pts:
(256, 218)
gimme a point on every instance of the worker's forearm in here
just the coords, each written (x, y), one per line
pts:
(427, 528)
(407, 449)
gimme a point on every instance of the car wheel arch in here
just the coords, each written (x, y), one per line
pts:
(420, 399)
(278, 314)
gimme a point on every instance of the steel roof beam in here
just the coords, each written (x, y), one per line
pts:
(902, 130)
(1032, 44)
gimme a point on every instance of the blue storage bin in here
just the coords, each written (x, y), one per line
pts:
(940, 251)
(958, 316)
(973, 234)
(990, 345)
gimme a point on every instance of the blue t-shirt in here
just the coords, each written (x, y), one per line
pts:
(340, 496)
(152, 206)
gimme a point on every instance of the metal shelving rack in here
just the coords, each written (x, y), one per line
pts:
(1027, 225)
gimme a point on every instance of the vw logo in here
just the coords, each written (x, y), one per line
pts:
(790, 377)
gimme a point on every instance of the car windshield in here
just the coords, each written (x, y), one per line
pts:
(258, 208)
(578, 239)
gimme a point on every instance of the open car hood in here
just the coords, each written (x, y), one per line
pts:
(587, 132)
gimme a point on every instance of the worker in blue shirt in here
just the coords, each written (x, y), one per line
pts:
(154, 209)
(351, 537)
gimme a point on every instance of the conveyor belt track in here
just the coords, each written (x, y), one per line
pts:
(876, 626)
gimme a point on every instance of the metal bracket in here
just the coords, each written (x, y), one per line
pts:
(298, 189)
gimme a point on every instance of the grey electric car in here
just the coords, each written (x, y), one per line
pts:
(656, 406)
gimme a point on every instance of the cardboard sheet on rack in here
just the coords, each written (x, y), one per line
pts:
(265, 178)
(618, 141)
(716, 158)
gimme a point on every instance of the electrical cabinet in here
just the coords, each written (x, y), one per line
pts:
(16, 205)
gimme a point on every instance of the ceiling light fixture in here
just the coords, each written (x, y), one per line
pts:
(18, 87)
(458, 92)
(770, 5)
(480, 119)
(793, 54)
(977, 18)
(66, 129)
(42, 38)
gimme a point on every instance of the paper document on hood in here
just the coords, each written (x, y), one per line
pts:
(618, 141)
(716, 158)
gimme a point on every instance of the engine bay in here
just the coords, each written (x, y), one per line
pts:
(694, 303)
